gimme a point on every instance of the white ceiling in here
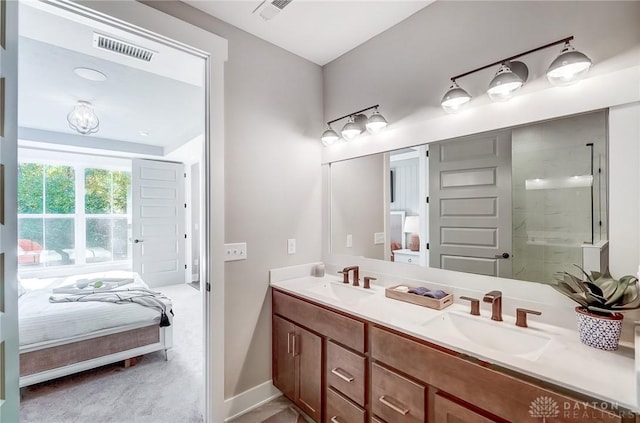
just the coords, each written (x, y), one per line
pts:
(319, 31)
(164, 98)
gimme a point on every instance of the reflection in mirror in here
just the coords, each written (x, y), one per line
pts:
(522, 203)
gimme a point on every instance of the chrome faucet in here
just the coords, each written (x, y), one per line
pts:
(356, 275)
(495, 298)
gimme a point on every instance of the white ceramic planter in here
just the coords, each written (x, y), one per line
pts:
(602, 332)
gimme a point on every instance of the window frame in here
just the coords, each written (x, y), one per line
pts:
(79, 163)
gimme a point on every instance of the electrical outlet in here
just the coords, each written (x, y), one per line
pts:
(378, 238)
(349, 241)
(234, 252)
(291, 246)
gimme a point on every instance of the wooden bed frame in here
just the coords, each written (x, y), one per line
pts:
(52, 359)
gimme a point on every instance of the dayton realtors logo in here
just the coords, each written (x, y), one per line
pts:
(544, 407)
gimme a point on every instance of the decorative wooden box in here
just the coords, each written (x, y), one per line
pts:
(420, 300)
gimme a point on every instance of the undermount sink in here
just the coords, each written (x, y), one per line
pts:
(485, 333)
(336, 291)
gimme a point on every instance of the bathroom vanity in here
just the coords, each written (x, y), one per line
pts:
(344, 354)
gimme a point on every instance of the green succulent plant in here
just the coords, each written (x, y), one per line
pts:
(600, 293)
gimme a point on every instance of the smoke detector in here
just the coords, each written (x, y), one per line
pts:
(268, 9)
(106, 42)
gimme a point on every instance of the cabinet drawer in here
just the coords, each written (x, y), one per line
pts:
(340, 410)
(345, 372)
(448, 411)
(342, 329)
(406, 258)
(499, 394)
(395, 398)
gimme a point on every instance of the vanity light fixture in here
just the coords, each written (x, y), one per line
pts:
(356, 125)
(329, 137)
(569, 67)
(508, 80)
(83, 119)
(455, 98)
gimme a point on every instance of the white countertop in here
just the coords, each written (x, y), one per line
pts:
(565, 361)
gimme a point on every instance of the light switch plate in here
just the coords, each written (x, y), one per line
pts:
(378, 238)
(349, 241)
(291, 246)
(234, 252)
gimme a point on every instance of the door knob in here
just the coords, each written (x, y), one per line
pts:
(503, 256)
(135, 241)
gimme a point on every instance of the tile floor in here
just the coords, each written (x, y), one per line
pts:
(279, 410)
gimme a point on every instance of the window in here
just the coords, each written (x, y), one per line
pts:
(72, 214)
(105, 206)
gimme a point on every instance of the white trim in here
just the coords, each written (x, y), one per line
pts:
(139, 18)
(250, 399)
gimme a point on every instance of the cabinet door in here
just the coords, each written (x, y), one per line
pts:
(307, 349)
(283, 364)
(447, 411)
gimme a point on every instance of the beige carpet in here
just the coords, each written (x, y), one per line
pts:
(154, 390)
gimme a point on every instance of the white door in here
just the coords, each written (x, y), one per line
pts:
(470, 205)
(9, 369)
(159, 222)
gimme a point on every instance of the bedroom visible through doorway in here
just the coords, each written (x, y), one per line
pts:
(109, 224)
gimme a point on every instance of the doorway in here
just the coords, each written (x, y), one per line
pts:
(82, 14)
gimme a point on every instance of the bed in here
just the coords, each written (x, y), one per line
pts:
(58, 339)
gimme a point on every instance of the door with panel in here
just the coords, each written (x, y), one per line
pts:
(9, 392)
(159, 222)
(470, 199)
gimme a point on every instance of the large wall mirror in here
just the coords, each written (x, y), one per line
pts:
(522, 203)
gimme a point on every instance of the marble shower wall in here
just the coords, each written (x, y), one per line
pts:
(551, 223)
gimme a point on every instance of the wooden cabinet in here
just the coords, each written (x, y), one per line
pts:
(366, 372)
(447, 411)
(395, 398)
(297, 365)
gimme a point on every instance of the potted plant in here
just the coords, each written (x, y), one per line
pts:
(601, 298)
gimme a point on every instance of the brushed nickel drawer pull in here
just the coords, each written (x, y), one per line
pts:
(334, 419)
(289, 342)
(394, 407)
(293, 352)
(342, 374)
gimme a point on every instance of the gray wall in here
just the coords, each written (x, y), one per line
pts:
(273, 115)
(357, 205)
(407, 68)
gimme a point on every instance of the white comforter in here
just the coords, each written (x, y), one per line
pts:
(42, 321)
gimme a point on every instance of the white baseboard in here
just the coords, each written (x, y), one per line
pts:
(249, 399)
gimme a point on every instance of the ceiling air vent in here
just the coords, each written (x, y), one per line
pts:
(269, 9)
(122, 47)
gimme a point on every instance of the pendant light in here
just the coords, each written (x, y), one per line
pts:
(329, 137)
(569, 67)
(508, 80)
(376, 122)
(351, 129)
(455, 98)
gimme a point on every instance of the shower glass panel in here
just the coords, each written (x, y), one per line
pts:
(559, 201)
